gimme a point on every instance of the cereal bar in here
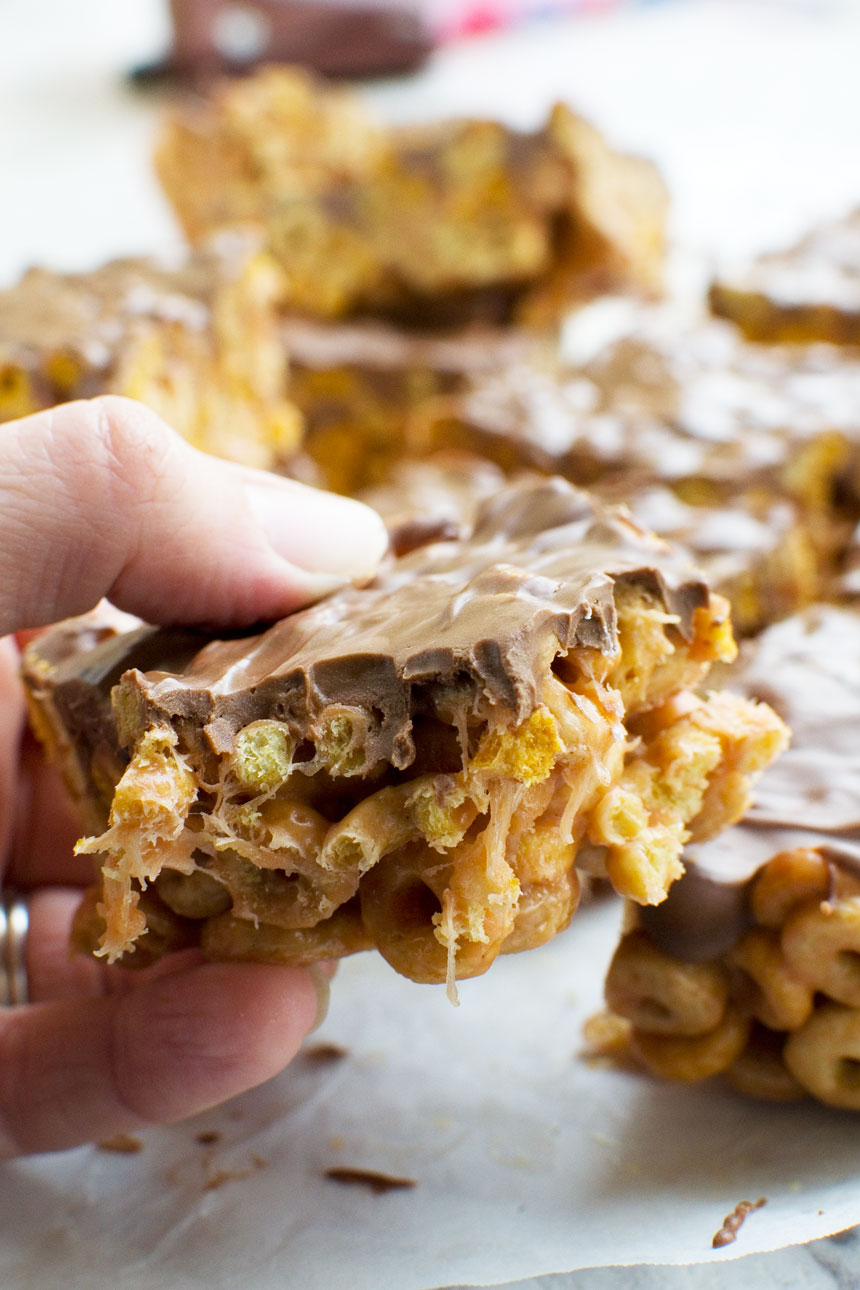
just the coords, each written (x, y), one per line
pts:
(432, 225)
(422, 764)
(694, 407)
(757, 551)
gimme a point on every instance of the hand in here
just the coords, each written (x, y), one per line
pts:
(103, 499)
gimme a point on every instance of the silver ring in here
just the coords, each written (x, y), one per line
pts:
(14, 925)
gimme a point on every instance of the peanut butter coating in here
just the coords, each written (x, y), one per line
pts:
(480, 617)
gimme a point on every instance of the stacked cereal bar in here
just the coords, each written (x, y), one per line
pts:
(751, 967)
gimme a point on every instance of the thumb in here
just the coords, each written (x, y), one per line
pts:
(101, 498)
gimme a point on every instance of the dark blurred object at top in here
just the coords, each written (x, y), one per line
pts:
(335, 37)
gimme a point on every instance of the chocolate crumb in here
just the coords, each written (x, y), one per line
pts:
(378, 1183)
(324, 1054)
(207, 1137)
(124, 1143)
(732, 1222)
(421, 530)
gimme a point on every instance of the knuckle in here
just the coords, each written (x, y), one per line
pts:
(132, 447)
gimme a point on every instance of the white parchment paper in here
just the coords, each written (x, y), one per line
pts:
(527, 1160)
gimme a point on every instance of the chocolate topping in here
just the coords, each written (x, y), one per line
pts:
(82, 693)
(808, 669)
(91, 313)
(484, 616)
(434, 499)
(662, 404)
(700, 918)
(813, 286)
(753, 549)
(75, 666)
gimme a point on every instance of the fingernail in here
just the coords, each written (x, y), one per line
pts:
(317, 585)
(322, 987)
(319, 532)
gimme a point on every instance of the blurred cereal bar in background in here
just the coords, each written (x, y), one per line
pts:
(197, 340)
(748, 454)
(361, 385)
(810, 292)
(440, 224)
(692, 406)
